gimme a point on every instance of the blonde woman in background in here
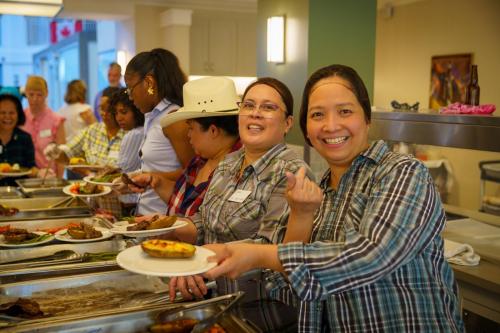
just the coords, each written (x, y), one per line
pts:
(78, 114)
(44, 125)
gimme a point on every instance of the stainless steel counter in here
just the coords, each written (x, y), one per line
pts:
(479, 285)
(459, 131)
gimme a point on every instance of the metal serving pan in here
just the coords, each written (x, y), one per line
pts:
(9, 192)
(84, 295)
(33, 186)
(40, 272)
(134, 320)
(34, 225)
(38, 208)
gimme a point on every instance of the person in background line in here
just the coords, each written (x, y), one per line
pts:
(44, 125)
(77, 114)
(98, 144)
(245, 200)
(213, 133)
(16, 146)
(131, 120)
(363, 251)
(114, 77)
(154, 83)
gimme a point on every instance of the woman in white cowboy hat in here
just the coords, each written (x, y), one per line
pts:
(245, 199)
(210, 109)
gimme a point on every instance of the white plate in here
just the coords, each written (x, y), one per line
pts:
(105, 191)
(135, 260)
(85, 166)
(62, 235)
(121, 228)
(15, 174)
(47, 240)
(88, 179)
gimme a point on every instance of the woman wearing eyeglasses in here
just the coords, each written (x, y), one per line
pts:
(154, 83)
(367, 254)
(245, 200)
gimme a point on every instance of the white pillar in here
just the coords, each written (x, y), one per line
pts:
(175, 25)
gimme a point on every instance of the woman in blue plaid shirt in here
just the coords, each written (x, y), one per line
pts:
(364, 251)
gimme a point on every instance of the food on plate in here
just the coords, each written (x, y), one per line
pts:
(6, 167)
(126, 180)
(83, 231)
(56, 229)
(85, 188)
(8, 211)
(161, 248)
(156, 222)
(182, 326)
(4, 228)
(15, 235)
(22, 307)
(107, 175)
(77, 160)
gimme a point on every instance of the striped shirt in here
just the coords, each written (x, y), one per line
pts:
(128, 158)
(261, 217)
(93, 144)
(376, 261)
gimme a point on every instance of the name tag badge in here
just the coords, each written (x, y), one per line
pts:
(239, 196)
(113, 155)
(45, 133)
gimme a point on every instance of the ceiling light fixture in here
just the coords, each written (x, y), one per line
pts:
(48, 8)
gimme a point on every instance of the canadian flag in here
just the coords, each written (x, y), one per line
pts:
(61, 29)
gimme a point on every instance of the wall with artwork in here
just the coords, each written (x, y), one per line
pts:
(406, 42)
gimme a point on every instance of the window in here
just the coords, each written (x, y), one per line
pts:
(37, 29)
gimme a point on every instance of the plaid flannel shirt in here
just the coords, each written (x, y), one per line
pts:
(93, 143)
(261, 217)
(187, 197)
(375, 262)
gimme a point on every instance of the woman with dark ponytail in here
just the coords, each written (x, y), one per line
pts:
(154, 82)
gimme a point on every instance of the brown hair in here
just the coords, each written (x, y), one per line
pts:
(75, 92)
(277, 85)
(345, 72)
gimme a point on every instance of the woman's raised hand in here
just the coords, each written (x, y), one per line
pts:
(302, 194)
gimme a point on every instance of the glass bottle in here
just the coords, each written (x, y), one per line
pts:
(472, 91)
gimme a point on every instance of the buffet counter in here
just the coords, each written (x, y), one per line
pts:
(479, 285)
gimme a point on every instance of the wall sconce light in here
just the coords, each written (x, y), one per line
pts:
(276, 39)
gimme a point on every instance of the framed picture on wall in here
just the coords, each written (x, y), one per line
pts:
(449, 78)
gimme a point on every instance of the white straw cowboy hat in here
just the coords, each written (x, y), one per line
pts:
(207, 97)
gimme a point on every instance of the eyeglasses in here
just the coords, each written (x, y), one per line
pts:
(130, 90)
(249, 107)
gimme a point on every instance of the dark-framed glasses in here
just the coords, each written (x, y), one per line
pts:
(249, 107)
(129, 91)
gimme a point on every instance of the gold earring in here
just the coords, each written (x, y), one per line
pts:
(151, 91)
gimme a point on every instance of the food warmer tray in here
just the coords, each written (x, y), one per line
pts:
(137, 320)
(40, 272)
(37, 225)
(85, 294)
(34, 187)
(9, 192)
(38, 208)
